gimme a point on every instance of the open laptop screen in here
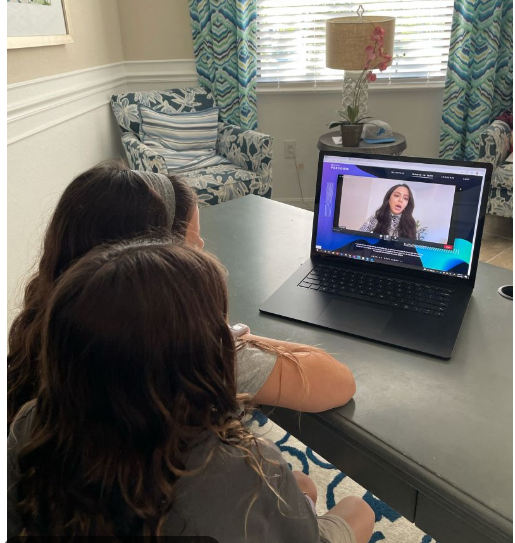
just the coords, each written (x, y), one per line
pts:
(402, 213)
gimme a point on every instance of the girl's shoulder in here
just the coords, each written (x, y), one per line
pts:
(243, 489)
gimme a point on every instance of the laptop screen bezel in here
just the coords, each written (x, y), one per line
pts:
(411, 272)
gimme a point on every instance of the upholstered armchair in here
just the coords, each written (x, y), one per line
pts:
(244, 156)
(494, 147)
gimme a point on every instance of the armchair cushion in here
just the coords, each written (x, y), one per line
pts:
(181, 131)
(221, 183)
(186, 141)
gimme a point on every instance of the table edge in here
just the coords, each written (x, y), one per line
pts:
(395, 146)
(424, 478)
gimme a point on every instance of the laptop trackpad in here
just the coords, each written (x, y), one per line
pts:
(355, 318)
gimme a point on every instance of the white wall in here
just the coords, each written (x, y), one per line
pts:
(40, 167)
(155, 29)
(96, 37)
(304, 116)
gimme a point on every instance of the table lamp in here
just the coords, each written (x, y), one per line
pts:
(346, 41)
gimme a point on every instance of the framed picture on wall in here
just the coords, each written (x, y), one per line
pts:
(35, 23)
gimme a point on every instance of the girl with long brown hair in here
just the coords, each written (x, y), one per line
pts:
(110, 202)
(136, 427)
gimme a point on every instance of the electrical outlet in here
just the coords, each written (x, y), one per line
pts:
(290, 149)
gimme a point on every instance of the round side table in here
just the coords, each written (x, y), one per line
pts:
(326, 143)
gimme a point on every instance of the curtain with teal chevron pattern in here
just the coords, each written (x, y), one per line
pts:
(479, 83)
(224, 42)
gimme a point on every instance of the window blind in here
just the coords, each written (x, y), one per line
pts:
(291, 39)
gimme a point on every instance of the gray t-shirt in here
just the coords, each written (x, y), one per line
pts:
(215, 501)
(253, 367)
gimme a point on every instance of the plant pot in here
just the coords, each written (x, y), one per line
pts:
(351, 134)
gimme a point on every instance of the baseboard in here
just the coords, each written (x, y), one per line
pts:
(307, 203)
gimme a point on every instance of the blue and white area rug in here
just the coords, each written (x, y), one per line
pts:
(333, 485)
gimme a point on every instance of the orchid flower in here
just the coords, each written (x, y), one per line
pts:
(373, 52)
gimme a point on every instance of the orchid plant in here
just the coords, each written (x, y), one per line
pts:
(375, 57)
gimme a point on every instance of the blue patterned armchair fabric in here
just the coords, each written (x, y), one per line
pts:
(249, 152)
(494, 147)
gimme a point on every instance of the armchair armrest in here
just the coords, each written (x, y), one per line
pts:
(494, 143)
(247, 149)
(141, 157)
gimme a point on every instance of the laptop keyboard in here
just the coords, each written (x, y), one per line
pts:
(402, 294)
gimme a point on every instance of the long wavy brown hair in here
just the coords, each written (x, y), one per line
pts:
(137, 362)
(108, 202)
(407, 224)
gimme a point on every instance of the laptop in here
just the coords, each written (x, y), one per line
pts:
(394, 250)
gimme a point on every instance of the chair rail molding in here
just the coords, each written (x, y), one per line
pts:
(160, 74)
(39, 104)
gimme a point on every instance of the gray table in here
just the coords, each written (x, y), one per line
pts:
(326, 143)
(431, 438)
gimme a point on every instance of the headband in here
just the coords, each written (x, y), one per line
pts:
(163, 186)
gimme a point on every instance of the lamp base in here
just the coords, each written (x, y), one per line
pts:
(350, 78)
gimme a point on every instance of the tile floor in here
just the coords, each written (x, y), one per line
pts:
(497, 245)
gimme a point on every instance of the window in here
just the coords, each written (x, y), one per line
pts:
(291, 39)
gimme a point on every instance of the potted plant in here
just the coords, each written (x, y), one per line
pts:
(351, 123)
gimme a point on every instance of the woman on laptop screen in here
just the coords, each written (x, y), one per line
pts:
(395, 216)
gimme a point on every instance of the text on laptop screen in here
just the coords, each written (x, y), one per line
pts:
(408, 214)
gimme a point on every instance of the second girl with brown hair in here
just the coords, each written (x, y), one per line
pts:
(135, 429)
